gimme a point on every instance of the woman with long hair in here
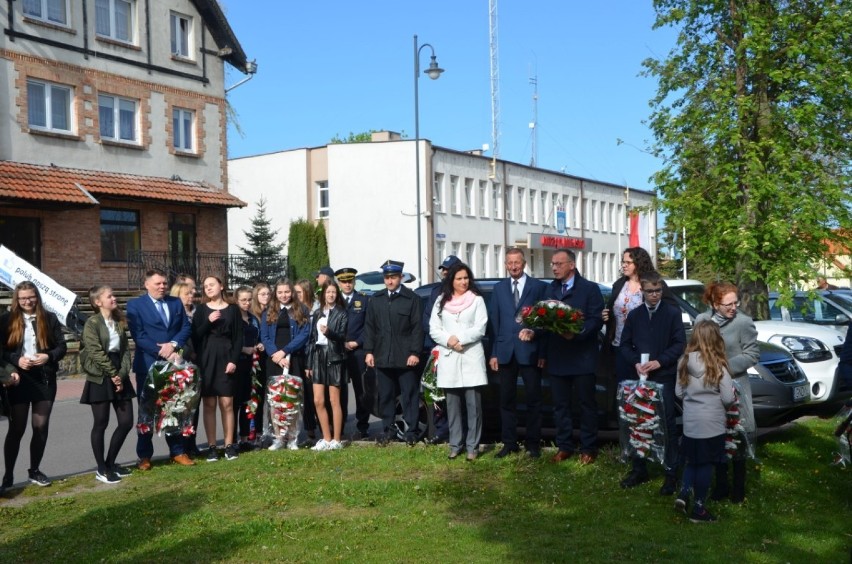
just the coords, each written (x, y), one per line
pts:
(325, 363)
(704, 384)
(743, 352)
(32, 341)
(284, 330)
(625, 297)
(304, 290)
(260, 296)
(186, 293)
(251, 342)
(457, 325)
(218, 335)
(105, 362)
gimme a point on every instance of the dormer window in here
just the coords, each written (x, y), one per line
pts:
(114, 19)
(181, 35)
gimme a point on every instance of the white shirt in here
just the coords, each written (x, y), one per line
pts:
(114, 338)
(165, 307)
(30, 345)
(522, 281)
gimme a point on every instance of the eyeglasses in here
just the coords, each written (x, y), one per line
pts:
(28, 299)
(653, 291)
(558, 263)
(626, 262)
(730, 305)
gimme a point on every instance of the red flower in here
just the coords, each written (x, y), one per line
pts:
(526, 310)
(560, 313)
(541, 311)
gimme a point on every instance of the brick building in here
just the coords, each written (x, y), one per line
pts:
(113, 147)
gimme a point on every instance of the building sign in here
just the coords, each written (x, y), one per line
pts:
(553, 242)
(560, 220)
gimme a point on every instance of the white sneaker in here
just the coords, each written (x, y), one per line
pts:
(292, 445)
(321, 445)
(335, 445)
(277, 444)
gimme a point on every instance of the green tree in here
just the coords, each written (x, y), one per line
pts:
(751, 120)
(363, 137)
(264, 258)
(308, 248)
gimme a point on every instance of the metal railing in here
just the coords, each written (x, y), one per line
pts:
(234, 270)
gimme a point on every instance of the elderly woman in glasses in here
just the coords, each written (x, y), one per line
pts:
(626, 296)
(740, 337)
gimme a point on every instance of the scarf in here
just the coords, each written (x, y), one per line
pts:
(720, 320)
(458, 304)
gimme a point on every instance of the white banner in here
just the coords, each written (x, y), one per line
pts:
(55, 298)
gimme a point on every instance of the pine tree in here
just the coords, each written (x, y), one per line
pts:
(264, 258)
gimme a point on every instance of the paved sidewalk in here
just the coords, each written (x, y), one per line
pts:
(69, 388)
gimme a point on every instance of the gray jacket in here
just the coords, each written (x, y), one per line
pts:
(704, 408)
(741, 346)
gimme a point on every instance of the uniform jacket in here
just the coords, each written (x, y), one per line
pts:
(337, 326)
(147, 329)
(356, 315)
(298, 335)
(578, 355)
(464, 369)
(94, 359)
(662, 337)
(55, 353)
(393, 330)
(505, 328)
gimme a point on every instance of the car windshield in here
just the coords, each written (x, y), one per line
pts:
(843, 300)
(691, 295)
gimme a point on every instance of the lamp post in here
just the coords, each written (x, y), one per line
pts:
(434, 71)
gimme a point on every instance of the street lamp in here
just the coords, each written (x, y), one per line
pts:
(434, 71)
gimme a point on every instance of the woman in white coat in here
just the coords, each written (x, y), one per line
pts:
(457, 326)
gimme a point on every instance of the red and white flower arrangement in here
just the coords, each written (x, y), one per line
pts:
(552, 315)
(843, 433)
(642, 431)
(736, 436)
(284, 399)
(172, 397)
(254, 395)
(429, 381)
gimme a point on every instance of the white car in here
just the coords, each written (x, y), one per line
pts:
(816, 348)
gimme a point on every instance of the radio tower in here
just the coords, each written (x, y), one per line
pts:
(495, 85)
(534, 122)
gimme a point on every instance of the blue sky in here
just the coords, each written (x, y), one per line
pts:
(329, 68)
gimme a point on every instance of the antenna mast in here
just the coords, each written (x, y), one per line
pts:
(534, 122)
(495, 84)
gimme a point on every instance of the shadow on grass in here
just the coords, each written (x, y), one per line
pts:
(118, 532)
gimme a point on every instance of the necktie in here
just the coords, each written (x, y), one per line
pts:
(515, 293)
(162, 312)
(564, 288)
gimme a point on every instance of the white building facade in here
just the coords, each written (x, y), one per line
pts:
(470, 205)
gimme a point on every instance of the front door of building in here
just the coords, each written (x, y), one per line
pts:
(182, 243)
(22, 235)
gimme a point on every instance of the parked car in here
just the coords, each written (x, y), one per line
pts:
(778, 384)
(369, 282)
(814, 347)
(830, 308)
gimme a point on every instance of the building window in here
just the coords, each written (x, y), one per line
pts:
(468, 196)
(619, 216)
(554, 207)
(511, 210)
(522, 212)
(49, 106)
(182, 121)
(470, 256)
(322, 199)
(596, 215)
(456, 247)
(454, 194)
(440, 248)
(181, 32)
(53, 11)
(117, 118)
(533, 205)
(483, 198)
(438, 192)
(114, 19)
(498, 256)
(483, 261)
(496, 201)
(120, 234)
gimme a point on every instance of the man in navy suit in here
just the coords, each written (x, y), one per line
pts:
(571, 358)
(514, 352)
(356, 311)
(159, 327)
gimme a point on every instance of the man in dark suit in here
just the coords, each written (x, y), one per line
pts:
(571, 358)
(393, 339)
(514, 352)
(356, 310)
(655, 329)
(159, 327)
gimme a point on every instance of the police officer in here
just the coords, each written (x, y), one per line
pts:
(356, 309)
(393, 340)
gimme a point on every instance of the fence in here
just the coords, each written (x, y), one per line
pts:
(234, 270)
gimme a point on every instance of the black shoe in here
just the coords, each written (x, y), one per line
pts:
(109, 477)
(410, 439)
(438, 440)
(701, 515)
(193, 452)
(231, 452)
(212, 454)
(634, 479)
(38, 478)
(669, 486)
(7, 482)
(382, 440)
(506, 451)
(120, 471)
(245, 446)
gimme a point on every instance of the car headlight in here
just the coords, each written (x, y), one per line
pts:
(804, 349)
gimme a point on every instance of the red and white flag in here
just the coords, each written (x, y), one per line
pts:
(640, 230)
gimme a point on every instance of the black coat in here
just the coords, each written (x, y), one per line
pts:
(662, 337)
(336, 335)
(356, 314)
(393, 330)
(55, 352)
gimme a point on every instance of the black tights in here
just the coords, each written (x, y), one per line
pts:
(17, 426)
(124, 417)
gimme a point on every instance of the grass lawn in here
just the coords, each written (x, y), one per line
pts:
(365, 504)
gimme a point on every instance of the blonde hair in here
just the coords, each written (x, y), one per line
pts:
(95, 293)
(707, 341)
(256, 308)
